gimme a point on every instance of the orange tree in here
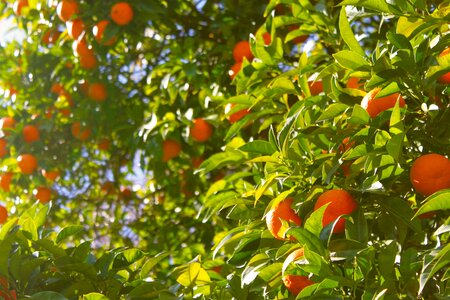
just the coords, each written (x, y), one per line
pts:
(225, 149)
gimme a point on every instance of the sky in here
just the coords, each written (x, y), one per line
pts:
(8, 34)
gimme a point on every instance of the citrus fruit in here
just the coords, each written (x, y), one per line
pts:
(98, 31)
(104, 144)
(80, 132)
(97, 92)
(19, 5)
(201, 130)
(75, 28)
(43, 194)
(50, 36)
(171, 149)
(3, 147)
(5, 181)
(235, 69)
(7, 124)
(374, 105)
(354, 83)
(300, 39)
(66, 9)
(282, 211)
(234, 117)
(241, 50)
(340, 203)
(315, 87)
(267, 38)
(30, 134)
(444, 79)
(50, 174)
(88, 61)
(107, 187)
(3, 214)
(296, 283)
(430, 173)
(27, 163)
(122, 13)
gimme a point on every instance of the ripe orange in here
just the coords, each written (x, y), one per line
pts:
(234, 117)
(7, 123)
(122, 13)
(295, 255)
(315, 87)
(5, 181)
(374, 105)
(66, 9)
(27, 163)
(80, 132)
(430, 173)
(3, 214)
(84, 86)
(346, 144)
(88, 61)
(171, 149)
(444, 79)
(201, 130)
(98, 31)
(104, 144)
(19, 5)
(97, 92)
(30, 134)
(81, 48)
(241, 50)
(57, 88)
(126, 193)
(3, 147)
(50, 174)
(235, 69)
(341, 203)
(267, 38)
(50, 36)
(197, 161)
(282, 211)
(43, 194)
(75, 28)
(355, 83)
(296, 283)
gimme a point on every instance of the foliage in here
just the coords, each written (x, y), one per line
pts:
(127, 222)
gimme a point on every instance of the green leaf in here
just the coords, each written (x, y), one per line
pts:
(220, 159)
(48, 296)
(401, 210)
(332, 111)
(193, 275)
(432, 264)
(305, 237)
(67, 232)
(399, 41)
(377, 5)
(95, 296)
(153, 261)
(437, 201)
(347, 34)
(259, 146)
(359, 116)
(314, 222)
(351, 60)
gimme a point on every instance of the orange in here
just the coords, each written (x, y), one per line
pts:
(267, 38)
(126, 193)
(197, 161)
(98, 31)
(50, 174)
(296, 283)
(57, 88)
(104, 144)
(171, 149)
(234, 117)
(88, 61)
(66, 9)
(354, 83)
(84, 87)
(5, 181)
(201, 130)
(80, 132)
(282, 211)
(121, 13)
(374, 105)
(3, 214)
(50, 36)
(341, 203)
(444, 79)
(295, 255)
(235, 69)
(315, 87)
(97, 92)
(346, 144)
(430, 173)
(27, 163)
(19, 5)
(3, 147)
(43, 194)
(7, 123)
(75, 28)
(299, 39)
(81, 48)
(241, 50)
(30, 134)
